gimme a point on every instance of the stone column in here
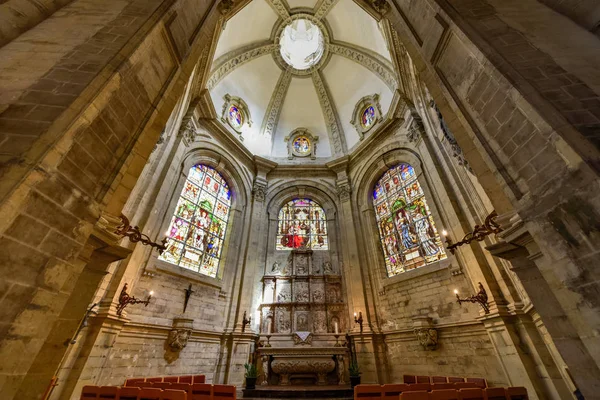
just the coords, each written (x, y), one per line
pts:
(522, 251)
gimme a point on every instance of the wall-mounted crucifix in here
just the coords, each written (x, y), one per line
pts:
(188, 293)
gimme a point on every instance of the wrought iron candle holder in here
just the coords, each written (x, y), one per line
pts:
(135, 235)
(481, 298)
(268, 340)
(480, 232)
(359, 320)
(245, 321)
(125, 299)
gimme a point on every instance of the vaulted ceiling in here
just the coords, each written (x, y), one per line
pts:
(247, 64)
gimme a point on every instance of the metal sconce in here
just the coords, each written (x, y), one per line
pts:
(480, 232)
(135, 235)
(245, 321)
(125, 299)
(481, 298)
(359, 320)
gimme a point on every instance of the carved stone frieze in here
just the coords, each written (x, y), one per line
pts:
(323, 7)
(232, 60)
(285, 367)
(273, 112)
(368, 59)
(280, 8)
(332, 120)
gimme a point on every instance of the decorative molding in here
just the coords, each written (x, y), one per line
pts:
(225, 64)
(225, 6)
(368, 59)
(242, 107)
(312, 153)
(427, 337)
(332, 120)
(259, 191)
(187, 131)
(457, 152)
(416, 129)
(357, 114)
(281, 8)
(323, 7)
(344, 190)
(271, 118)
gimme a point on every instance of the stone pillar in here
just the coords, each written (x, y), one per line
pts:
(523, 252)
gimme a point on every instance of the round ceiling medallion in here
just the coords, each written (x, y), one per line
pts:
(302, 44)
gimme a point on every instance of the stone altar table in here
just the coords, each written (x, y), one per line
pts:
(290, 362)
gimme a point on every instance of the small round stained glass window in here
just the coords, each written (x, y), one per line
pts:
(368, 116)
(302, 145)
(235, 116)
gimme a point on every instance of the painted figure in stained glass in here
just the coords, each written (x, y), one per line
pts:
(368, 116)
(235, 116)
(196, 233)
(302, 145)
(408, 238)
(302, 223)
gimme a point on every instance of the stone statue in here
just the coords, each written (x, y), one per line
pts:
(275, 268)
(340, 369)
(328, 268)
(178, 338)
(265, 368)
(427, 337)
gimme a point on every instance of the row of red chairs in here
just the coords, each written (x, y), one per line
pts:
(421, 392)
(160, 391)
(172, 379)
(482, 383)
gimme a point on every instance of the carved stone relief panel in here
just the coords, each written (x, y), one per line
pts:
(318, 292)
(328, 268)
(334, 293)
(301, 294)
(267, 315)
(301, 266)
(282, 320)
(269, 293)
(319, 321)
(284, 292)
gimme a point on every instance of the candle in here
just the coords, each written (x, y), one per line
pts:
(455, 291)
(268, 326)
(354, 315)
(445, 233)
(335, 326)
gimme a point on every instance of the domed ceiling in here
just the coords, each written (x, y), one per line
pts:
(285, 65)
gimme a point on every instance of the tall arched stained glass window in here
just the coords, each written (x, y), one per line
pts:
(198, 227)
(406, 229)
(302, 224)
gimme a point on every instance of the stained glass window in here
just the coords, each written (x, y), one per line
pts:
(198, 227)
(302, 145)
(235, 117)
(406, 229)
(368, 116)
(302, 223)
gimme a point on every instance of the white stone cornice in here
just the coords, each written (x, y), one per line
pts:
(368, 59)
(271, 117)
(332, 120)
(323, 7)
(281, 8)
(225, 64)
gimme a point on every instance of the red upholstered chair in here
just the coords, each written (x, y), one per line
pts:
(423, 379)
(517, 393)
(471, 394)
(201, 391)
(198, 379)
(108, 392)
(482, 383)
(186, 379)
(410, 379)
(444, 394)
(421, 395)
(392, 391)
(367, 392)
(439, 379)
(172, 379)
(419, 387)
(453, 379)
(495, 393)
(142, 384)
(128, 393)
(155, 379)
(224, 392)
(150, 394)
(465, 385)
(162, 385)
(169, 394)
(186, 387)
(128, 382)
(89, 392)
(440, 386)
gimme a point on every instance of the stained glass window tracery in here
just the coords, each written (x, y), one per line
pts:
(197, 229)
(302, 223)
(407, 232)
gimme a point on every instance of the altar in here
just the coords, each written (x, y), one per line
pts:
(286, 366)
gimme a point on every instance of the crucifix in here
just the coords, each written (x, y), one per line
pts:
(188, 293)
